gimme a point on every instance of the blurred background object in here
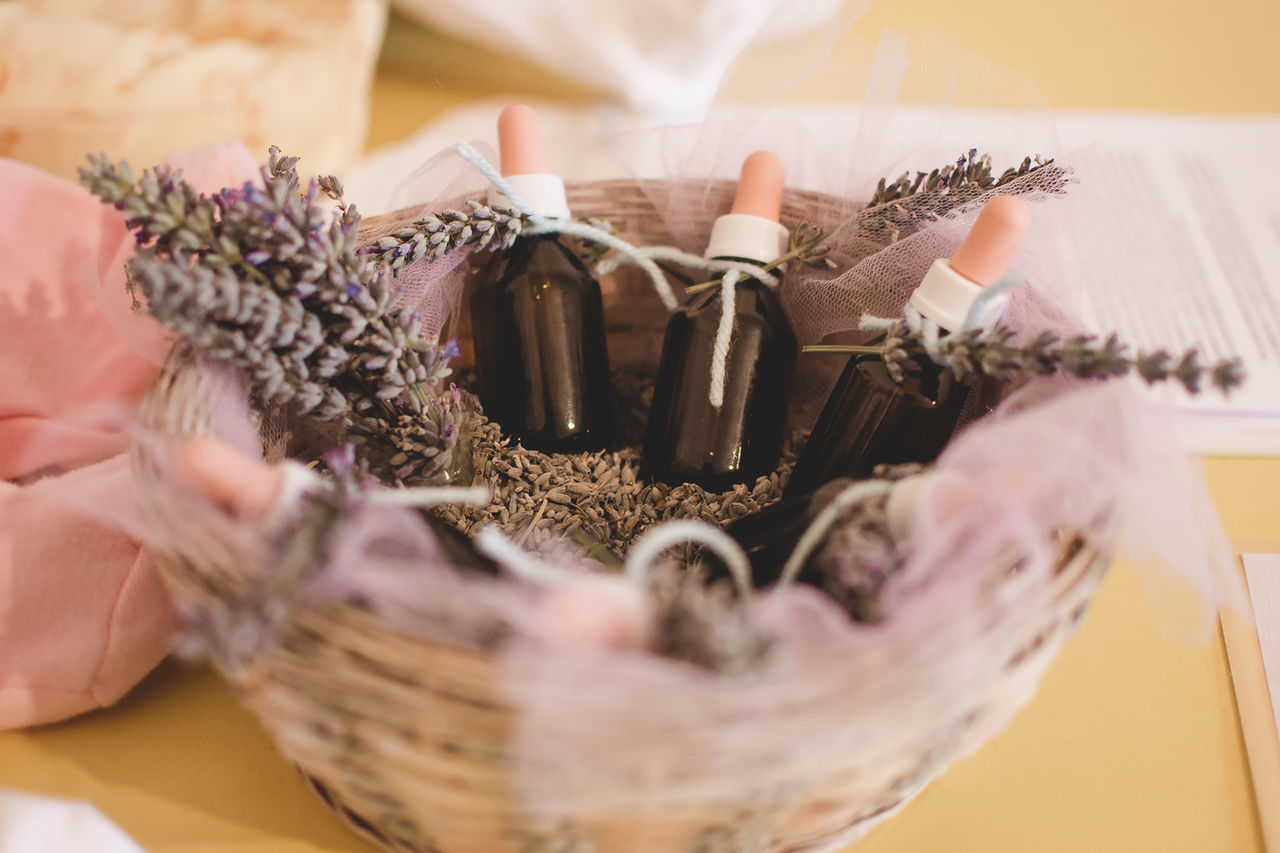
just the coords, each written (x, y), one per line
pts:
(144, 79)
(662, 58)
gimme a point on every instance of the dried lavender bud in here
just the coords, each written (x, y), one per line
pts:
(1188, 371)
(1153, 367)
(590, 252)
(1037, 356)
(1074, 356)
(960, 350)
(1226, 375)
(1112, 359)
(895, 356)
(998, 356)
(330, 186)
(808, 246)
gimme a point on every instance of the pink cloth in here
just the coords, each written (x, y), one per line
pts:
(83, 613)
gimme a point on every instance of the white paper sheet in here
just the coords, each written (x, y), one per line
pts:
(31, 824)
(1206, 186)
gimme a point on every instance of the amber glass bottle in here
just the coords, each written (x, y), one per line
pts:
(541, 360)
(870, 419)
(688, 439)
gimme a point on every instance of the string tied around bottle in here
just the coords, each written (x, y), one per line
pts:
(581, 230)
(931, 334)
(646, 258)
(733, 272)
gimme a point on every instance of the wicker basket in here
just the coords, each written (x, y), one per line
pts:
(410, 740)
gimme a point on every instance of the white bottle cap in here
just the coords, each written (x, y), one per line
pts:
(945, 297)
(752, 238)
(542, 192)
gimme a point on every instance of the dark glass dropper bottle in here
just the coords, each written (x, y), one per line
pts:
(870, 418)
(537, 318)
(689, 437)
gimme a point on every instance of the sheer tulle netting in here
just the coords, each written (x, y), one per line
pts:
(863, 715)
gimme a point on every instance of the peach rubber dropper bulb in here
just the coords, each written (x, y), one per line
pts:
(241, 485)
(986, 252)
(520, 141)
(760, 186)
(750, 231)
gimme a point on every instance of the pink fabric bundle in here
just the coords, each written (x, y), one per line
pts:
(83, 614)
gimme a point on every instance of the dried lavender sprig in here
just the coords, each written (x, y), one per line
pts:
(807, 245)
(260, 278)
(901, 207)
(280, 348)
(483, 226)
(995, 354)
(277, 235)
(970, 170)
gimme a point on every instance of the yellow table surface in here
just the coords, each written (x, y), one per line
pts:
(1132, 744)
